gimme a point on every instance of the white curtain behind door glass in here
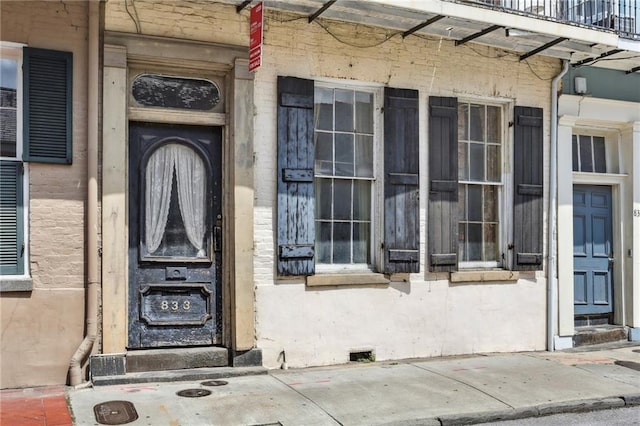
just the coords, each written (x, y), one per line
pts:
(191, 184)
(192, 188)
(159, 180)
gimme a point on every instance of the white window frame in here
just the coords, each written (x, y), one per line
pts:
(613, 155)
(14, 51)
(505, 194)
(377, 194)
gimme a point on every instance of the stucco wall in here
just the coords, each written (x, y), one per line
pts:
(422, 317)
(41, 329)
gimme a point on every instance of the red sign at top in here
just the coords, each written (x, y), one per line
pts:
(255, 36)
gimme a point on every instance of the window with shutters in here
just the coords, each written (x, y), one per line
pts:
(35, 126)
(12, 171)
(336, 210)
(344, 141)
(480, 186)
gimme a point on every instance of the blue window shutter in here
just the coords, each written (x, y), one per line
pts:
(296, 204)
(47, 105)
(11, 219)
(401, 182)
(528, 189)
(443, 184)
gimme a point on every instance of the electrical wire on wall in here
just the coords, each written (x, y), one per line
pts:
(136, 19)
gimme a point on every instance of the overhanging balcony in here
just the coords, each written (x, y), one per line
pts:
(620, 16)
(518, 28)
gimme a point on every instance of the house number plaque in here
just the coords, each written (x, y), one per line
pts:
(169, 304)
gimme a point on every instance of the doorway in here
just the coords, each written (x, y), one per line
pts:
(593, 252)
(175, 237)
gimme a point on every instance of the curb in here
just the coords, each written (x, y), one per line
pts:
(579, 406)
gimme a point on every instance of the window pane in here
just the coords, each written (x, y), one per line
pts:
(462, 242)
(323, 199)
(463, 166)
(586, 162)
(344, 110)
(324, 153)
(474, 236)
(474, 203)
(8, 105)
(599, 155)
(494, 120)
(476, 160)
(7, 132)
(490, 242)
(364, 112)
(324, 109)
(463, 121)
(175, 92)
(575, 153)
(361, 200)
(493, 163)
(344, 155)
(361, 242)
(476, 127)
(364, 156)
(462, 202)
(341, 243)
(323, 242)
(341, 199)
(490, 204)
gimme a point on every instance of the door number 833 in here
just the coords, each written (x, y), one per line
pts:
(175, 306)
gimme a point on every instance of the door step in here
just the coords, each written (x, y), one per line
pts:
(176, 359)
(597, 334)
(154, 364)
(191, 375)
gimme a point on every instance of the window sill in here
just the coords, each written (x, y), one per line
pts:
(484, 276)
(347, 280)
(16, 284)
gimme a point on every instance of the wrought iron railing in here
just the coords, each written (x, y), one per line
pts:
(622, 16)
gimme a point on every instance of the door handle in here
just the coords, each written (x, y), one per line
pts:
(611, 261)
(217, 238)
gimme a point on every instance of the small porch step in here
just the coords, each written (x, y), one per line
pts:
(176, 359)
(169, 364)
(184, 375)
(597, 334)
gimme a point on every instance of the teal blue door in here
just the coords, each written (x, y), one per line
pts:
(592, 250)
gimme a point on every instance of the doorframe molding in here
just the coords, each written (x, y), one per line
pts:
(123, 51)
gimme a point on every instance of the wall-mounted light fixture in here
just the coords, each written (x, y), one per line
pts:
(580, 85)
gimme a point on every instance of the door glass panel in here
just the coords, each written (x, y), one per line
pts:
(175, 92)
(175, 205)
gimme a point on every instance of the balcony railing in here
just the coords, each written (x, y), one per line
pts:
(622, 16)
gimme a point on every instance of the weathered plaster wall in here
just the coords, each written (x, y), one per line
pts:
(41, 329)
(423, 317)
(426, 316)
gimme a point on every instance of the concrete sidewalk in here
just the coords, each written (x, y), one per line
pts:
(438, 391)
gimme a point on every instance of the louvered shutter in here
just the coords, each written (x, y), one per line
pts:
(401, 183)
(528, 189)
(11, 219)
(47, 105)
(443, 184)
(296, 205)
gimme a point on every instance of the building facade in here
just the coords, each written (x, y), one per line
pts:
(381, 187)
(43, 186)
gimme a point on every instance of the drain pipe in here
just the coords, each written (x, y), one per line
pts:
(91, 321)
(552, 281)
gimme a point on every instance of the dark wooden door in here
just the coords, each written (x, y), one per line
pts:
(592, 250)
(175, 221)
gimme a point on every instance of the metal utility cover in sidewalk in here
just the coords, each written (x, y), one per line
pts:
(115, 412)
